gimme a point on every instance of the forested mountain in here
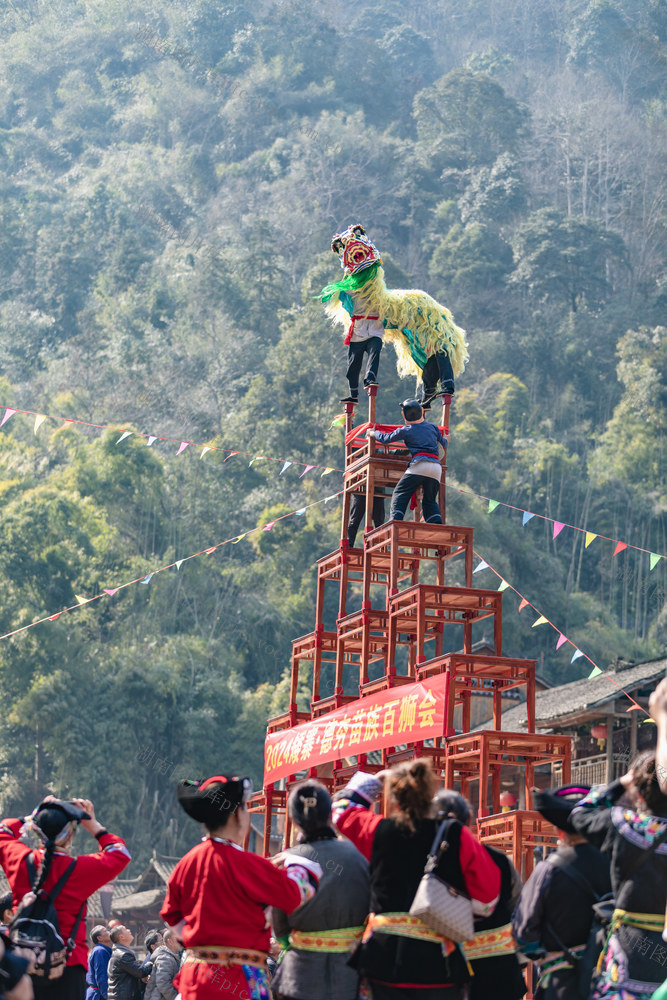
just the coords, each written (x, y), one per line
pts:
(171, 177)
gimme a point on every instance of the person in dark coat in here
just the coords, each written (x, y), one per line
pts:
(492, 952)
(127, 975)
(399, 955)
(320, 935)
(98, 962)
(555, 909)
(635, 960)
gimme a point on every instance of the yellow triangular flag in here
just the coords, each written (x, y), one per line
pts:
(82, 600)
(236, 540)
(589, 538)
(504, 585)
(540, 621)
(326, 472)
(39, 420)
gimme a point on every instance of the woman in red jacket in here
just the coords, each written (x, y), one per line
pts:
(55, 822)
(400, 956)
(218, 895)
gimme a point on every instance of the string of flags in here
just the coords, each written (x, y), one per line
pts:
(562, 638)
(81, 601)
(152, 438)
(654, 557)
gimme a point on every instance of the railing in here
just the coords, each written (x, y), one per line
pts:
(593, 770)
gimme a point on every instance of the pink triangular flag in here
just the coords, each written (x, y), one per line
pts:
(10, 413)
(267, 527)
(561, 639)
(619, 547)
(558, 527)
(111, 591)
(212, 549)
(183, 445)
(524, 604)
(307, 469)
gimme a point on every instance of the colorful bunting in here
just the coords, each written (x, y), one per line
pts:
(181, 448)
(326, 472)
(492, 505)
(558, 527)
(8, 413)
(338, 421)
(526, 517)
(481, 566)
(503, 585)
(151, 439)
(82, 600)
(595, 672)
(589, 538)
(524, 604)
(204, 450)
(231, 455)
(654, 560)
(39, 420)
(561, 639)
(634, 708)
(285, 466)
(111, 591)
(300, 512)
(212, 549)
(575, 656)
(540, 621)
(238, 539)
(179, 563)
(147, 579)
(267, 527)
(125, 434)
(307, 469)
(619, 547)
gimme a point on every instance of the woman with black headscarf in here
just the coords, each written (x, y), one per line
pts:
(218, 894)
(318, 937)
(55, 822)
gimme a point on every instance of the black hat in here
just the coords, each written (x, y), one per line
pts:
(556, 804)
(412, 409)
(51, 817)
(213, 800)
(309, 806)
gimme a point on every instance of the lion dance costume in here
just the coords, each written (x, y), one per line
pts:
(428, 343)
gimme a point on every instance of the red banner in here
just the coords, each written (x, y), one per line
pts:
(406, 714)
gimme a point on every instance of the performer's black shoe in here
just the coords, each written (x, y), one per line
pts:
(447, 389)
(350, 399)
(367, 385)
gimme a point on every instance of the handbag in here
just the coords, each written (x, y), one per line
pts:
(446, 910)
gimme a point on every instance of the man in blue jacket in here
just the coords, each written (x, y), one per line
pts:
(422, 440)
(98, 960)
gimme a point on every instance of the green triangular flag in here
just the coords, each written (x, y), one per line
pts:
(654, 560)
(594, 672)
(492, 505)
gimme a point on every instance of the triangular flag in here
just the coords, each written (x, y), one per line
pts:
(147, 579)
(204, 450)
(326, 472)
(302, 511)
(124, 435)
(327, 499)
(337, 421)
(8, 413)
(178, 563)
(481, 566)
(257, 458)
(212, 549)
(575, 656)
(589, 538)
(307, 469)
(111, 591)
(53, 617)
(231, 455)
(82, 600)
(558, 527)
(39, 420)
(561, 639)
(492, 505)
(654, 560)
(267, 527)
(540, 621)
(526, 517)
(634, 708)
(285, 466)
(524, 604)
(236, 540)
(619, 547)
(594, 672)
(647, 722)
(503, 585)
(183, 445)
(151, 438)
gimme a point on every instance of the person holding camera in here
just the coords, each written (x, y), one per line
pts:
(29, 871)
